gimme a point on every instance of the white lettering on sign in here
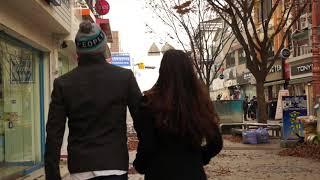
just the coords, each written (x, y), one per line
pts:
(275, 68)
(304, 68)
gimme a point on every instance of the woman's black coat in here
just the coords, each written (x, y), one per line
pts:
(164, 156)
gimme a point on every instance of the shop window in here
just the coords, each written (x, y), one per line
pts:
(271, 53)
(230, 60)
(263, 9)
(242, 56)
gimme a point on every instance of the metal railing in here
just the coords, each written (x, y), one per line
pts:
(301, 50)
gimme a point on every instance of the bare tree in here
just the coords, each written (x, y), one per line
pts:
(261, 23)
(199, 30)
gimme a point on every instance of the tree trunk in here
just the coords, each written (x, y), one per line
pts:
(262, 107)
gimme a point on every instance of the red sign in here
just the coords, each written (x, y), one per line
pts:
(286, 70)
(102, 7)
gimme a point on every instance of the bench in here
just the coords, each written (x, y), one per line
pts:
(274, 128)
(227, 126)
(236, 131)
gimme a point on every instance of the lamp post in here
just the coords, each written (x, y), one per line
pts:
(315, 51)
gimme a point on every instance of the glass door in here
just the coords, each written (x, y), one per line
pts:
(19, 107)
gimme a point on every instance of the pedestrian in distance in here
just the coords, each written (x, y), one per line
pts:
(178, 132)
(94, 97)
(253, 108)
(245, 108)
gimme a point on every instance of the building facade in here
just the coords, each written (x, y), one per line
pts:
(300, 61)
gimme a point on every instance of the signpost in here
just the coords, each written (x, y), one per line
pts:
(293, 107)
(279, 103)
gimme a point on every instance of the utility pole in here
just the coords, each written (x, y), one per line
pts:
(315, 51)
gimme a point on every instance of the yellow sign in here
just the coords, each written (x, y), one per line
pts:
(141, 65)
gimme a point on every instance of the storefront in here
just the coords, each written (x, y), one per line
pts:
(246, 82)
(300, 80)
(218, 91)
(274, 81)
(230, 82)
(21, 107)
(273, 84)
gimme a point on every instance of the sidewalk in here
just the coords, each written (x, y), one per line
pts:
(228, 147)
(40, 175)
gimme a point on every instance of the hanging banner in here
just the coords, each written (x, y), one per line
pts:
(293, 107)
(282, 93)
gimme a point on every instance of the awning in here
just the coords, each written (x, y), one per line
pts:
(87, 14)
(274, 83)
(300, 80)
(105, 26)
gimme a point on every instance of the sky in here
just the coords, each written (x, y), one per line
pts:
(130, 17)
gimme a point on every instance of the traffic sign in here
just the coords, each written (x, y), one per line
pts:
(120, 60)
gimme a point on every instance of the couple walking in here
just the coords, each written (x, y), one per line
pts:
(175, 120)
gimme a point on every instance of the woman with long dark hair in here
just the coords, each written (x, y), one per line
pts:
(178, 132)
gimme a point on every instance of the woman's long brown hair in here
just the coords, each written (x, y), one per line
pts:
(180, 100)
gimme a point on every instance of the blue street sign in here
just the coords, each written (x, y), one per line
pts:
(120, 60)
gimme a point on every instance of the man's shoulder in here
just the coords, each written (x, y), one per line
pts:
(119, 71)
(66, 75)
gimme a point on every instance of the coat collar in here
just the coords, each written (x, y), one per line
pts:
(86, 60)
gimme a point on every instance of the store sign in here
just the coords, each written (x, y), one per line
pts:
(285, 53)
(245, 78)
(276, 72)
(102, 7)
(275, 68)
(301, 69)
(21, 71)
(229, 83)
(120, 60)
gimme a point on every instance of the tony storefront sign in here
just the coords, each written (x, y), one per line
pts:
(301, 69)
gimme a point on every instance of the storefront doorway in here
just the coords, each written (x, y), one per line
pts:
(20, 144)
